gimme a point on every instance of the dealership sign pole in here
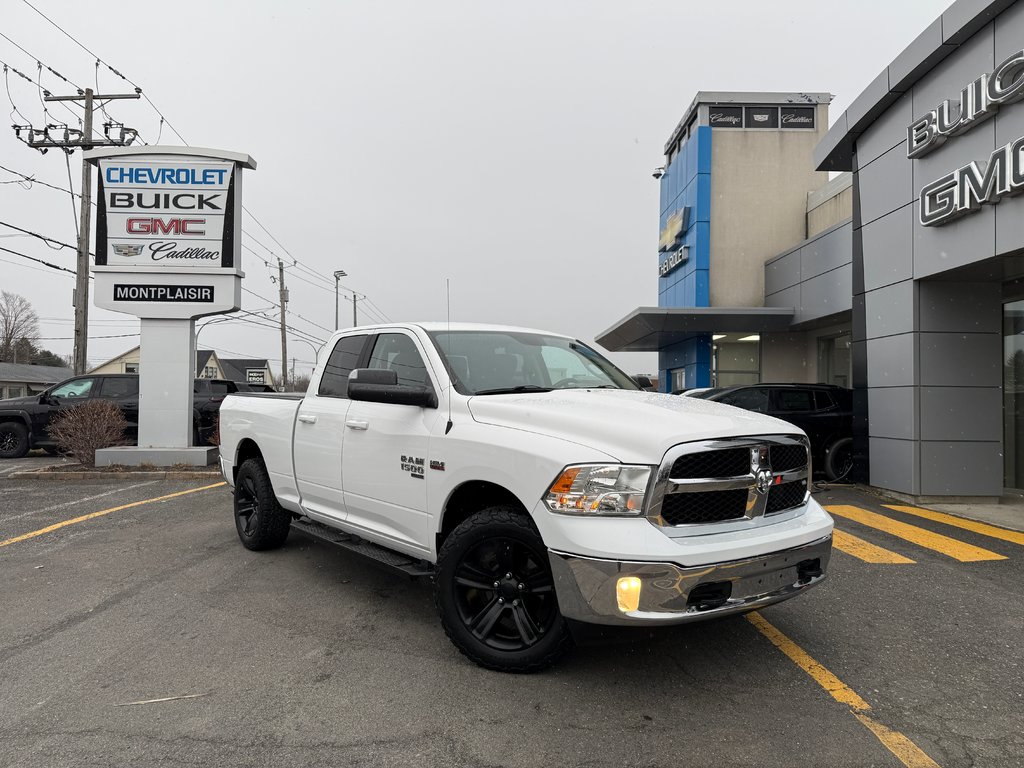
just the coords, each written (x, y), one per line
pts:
(168, 250)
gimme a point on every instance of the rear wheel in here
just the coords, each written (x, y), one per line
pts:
(261, 522)
(495, 593)
(839, 459)
(13, 440)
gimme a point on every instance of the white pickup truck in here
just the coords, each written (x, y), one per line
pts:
(533, 480)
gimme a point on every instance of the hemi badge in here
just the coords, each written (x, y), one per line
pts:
(438, 465)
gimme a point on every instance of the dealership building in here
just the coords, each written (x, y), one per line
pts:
(901, 276)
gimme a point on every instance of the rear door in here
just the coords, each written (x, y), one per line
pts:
(320, 430)
(384, 464)
(123, 391)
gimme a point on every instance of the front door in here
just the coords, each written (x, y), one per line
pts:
(385, 461)
(320, 430)
(60, 400)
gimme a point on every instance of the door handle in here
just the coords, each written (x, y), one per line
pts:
(306, 418)
(357, 424)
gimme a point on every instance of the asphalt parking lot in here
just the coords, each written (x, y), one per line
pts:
(147, 635)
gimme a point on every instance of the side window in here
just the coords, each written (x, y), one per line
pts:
(748, 399)
(344, 357)
(222, 387)
(76, 388)
(823, 401)
(119, 387)
(796, 400)
(398, 353)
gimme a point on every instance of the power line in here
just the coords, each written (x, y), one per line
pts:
(44, 238)
(44, 263)
(73, 39)
(34, 180)
(40, 62)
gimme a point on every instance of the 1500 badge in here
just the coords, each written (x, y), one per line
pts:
(413, 466)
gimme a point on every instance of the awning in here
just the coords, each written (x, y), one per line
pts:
(648, 329)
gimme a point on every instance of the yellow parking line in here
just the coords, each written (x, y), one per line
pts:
(959, 522)
(903, 748)
(958, 550)
(91, 515)
(865, 550)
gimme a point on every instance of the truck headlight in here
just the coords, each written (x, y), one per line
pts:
(615, 490)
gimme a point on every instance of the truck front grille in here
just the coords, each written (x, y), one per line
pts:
(732, 480)
(707, 507)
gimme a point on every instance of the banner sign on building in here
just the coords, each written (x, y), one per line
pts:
(167, 213)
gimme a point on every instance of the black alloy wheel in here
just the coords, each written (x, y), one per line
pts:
(496, 596)
(504, 594)
(261, 522)
(13, 440)
(839, 459)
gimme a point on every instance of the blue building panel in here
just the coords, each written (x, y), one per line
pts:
(688, 185)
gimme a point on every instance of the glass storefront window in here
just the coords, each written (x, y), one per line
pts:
(834, 360)
(735, 359)
(1013, 394)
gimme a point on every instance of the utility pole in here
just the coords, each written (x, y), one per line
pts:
(284, 336)
(67, 139)
(338, 274)
(355, 319)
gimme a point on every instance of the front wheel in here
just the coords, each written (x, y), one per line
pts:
(496, 596)
(261, 522)
(13, 440)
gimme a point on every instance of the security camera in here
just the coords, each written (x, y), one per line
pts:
(659, 172)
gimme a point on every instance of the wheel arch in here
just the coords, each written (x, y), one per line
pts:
(247, 449)
(470, 497)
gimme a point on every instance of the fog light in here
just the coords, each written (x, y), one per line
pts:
(627, 592)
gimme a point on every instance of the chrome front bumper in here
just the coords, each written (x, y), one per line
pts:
(586, 587)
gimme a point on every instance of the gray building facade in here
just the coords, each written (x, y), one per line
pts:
(936, 149)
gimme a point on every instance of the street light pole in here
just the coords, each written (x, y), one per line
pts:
(337, 276)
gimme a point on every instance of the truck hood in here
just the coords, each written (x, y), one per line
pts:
(631, 426)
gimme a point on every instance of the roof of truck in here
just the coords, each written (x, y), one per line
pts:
(442, 326)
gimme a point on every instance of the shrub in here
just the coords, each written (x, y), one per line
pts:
(86, 428)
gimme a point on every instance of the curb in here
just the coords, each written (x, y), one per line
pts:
(42, 474)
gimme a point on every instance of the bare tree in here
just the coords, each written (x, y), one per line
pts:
(17, 321)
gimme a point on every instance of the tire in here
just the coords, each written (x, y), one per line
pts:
(839, 459)
(261, 522)
(13, 440)
(512, 627)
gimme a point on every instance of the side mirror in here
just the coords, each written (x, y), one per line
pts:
(45, 399)
(376, 385)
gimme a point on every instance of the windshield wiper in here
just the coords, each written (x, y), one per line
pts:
(513, 390)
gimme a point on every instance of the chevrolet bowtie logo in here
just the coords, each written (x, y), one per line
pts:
(127, 250)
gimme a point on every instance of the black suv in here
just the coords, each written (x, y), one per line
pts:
(24, 421)
(823, 411)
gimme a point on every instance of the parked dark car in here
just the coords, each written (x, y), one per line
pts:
(24, 421)
(823, 411)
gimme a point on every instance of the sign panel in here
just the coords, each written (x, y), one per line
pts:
(255, 375)
(189, 293)
(167, 213)
(797, 117)
(761, 117)
(725, 117)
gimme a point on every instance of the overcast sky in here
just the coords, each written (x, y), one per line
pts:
(506, 146)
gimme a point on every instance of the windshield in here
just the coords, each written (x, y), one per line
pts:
(499, 362)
